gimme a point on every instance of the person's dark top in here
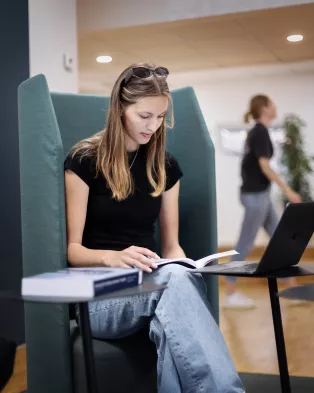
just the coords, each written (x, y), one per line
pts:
(258, 144)
(116, 225)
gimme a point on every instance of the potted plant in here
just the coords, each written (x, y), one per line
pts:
(295, 161)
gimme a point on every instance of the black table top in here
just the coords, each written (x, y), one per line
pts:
(302, 292)
(302, 269)
(146, 287)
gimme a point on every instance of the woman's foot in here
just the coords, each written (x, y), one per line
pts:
(238, 301)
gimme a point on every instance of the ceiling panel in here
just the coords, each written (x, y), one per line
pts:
(304, 52)
(209, 29)
(257, 37)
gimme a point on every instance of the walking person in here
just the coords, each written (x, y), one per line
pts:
(255, 194)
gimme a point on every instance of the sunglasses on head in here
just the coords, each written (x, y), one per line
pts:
(143, 72)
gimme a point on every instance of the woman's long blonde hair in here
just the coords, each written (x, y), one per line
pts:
(108, 146)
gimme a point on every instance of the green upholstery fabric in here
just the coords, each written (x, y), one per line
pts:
(191, 144)
(43, 235)
(79, 116)
(49, 125)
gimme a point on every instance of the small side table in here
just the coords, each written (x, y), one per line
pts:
(89, 360)
(299, 270)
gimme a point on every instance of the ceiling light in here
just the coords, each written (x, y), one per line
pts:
(104, 59)
(295, 38)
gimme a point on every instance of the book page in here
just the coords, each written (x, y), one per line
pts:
(182, 261)
(199, 263)
(210, 258)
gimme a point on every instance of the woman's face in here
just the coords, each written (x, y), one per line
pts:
(270, 111)
(142, 119)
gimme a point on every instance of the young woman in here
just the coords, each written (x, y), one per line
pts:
(118, 183)
(257, 176)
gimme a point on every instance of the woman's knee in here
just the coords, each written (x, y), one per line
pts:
(164, 274)
(174, 268)
(183, 277)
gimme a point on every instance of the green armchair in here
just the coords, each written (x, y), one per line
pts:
(49, 124)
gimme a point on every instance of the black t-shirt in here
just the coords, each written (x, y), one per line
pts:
(258, 144)
(116, 225)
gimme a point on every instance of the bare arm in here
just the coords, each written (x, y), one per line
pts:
(77, 191)
(273, 176)
(76, 205)
(169, 223)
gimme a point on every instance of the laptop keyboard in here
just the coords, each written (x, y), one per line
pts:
(235, 266)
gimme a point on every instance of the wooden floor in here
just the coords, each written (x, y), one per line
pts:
(249, 336)
(17, 384)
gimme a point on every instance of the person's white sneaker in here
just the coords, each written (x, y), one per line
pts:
(238, 301)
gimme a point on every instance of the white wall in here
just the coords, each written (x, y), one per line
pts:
(223, 100)
(107, 14)
(52, 32)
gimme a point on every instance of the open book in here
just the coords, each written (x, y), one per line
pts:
(199, 263)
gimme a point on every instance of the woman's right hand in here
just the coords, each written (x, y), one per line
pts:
(293, 197)
(133, 256)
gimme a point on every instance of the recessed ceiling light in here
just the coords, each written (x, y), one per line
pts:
(295, 38)
(104, 59)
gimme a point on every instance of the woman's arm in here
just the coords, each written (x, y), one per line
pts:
(169, 223)
(273, 176)
(76, 192)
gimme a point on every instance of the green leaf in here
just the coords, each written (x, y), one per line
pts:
(294, 157)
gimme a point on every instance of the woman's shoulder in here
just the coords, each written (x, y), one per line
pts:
(170, 160)
(258, 133)
(258, 129)
(173, 170)
(83, 163)
(81, 156)
(85, 151)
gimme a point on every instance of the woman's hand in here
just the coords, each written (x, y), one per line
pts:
(131, 257)
(293, 197)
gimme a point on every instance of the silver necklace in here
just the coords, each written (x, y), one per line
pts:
(134, 159)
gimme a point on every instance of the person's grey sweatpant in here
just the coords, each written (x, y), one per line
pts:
(259, 212)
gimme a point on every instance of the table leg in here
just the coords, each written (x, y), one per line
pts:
(279, 336)
(88, 348)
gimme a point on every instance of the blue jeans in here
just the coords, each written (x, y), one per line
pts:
(259, 213)
(192, 354)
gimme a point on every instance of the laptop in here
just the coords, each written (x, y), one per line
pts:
(285, 247)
